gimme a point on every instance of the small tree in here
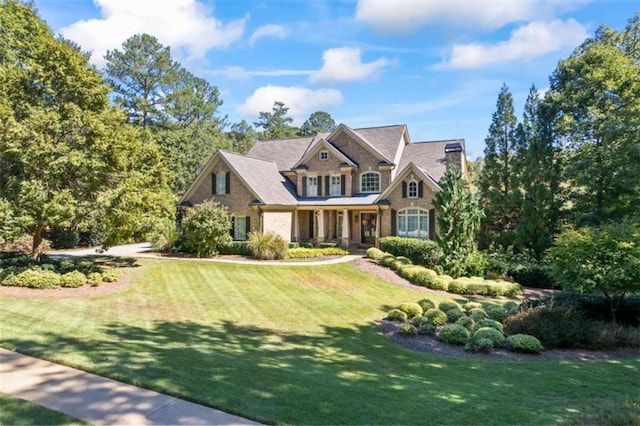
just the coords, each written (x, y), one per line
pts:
(604, 259)
(206, 229)
(458, 216)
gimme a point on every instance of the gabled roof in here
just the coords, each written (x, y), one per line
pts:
(284, 152)
(386, 139)
(409, 168)
(428, 156)
(323, 144)
(362, 140)
(260, 177)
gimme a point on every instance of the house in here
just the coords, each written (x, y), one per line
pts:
(349, 186)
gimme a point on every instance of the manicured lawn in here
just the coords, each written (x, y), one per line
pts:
(292, 344)
(15, 411)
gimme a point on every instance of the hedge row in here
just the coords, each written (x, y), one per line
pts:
(37, 277)
(305, 253)
(420, 252)
(422, 276)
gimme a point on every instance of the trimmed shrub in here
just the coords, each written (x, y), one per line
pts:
(33, 278)
(511, 307)
(426, 304)
(471, 305)
(523, 343)
(436, 316)
(454, 334)
(458, 287)
(396, 315)
(496, 312)
(447, 305)
(373, 253)
(428, 329)
(73, 279)
(294, 245)
(531, 274)
(479, 345)
(488, 323)
(454, 314)
(419, 320)
(478, 314)
(94, 278)
(408, 272)
(306, 245)
(63, 238)
(111, 275)
(412, 309)
(387, 260)
(240, 248)
(308, 253)
(490, 333)
(399, 262)
(466, 322)
(440, 284)
(408, 330)
(421, 252)
(328, 245)
(425, 277)
(267, 246)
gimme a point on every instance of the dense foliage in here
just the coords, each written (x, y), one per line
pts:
(206, 229)
(420, 252)
(267, 246)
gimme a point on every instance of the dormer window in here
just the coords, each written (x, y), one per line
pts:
(323, 155)
(412, 189)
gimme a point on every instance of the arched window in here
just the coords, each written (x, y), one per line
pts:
(413, 223)
(370, 182)
(412, 189)
(221, 183)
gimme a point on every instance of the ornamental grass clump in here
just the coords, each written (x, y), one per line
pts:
(267, 246)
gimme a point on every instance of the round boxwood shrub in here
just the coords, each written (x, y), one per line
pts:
(436, 316)
(479, 345)
(488, 323)
(111, 275)
(458, 287)
(446, 305)
(409, 272)
(523, 343)
(466, 322)
(454, 334)
(428, 328)
(496, 337)
(511, 307)
(496, 312)
(399, 262)
(419, 320)
(408, 330)
(412, 309)
(426, 304)
(454, 314)
(374, 253)
(425, 277)
(441, 284)
(472, 305)
(387, 260)
(73, 279)
(94, 278)
(478, 314)
(396, 315)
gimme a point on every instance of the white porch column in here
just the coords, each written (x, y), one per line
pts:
(320, 236)
(378, 217)
(296, 226)
(345, 228)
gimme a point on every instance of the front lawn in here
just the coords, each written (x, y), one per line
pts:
(294, 344)
(16, 411)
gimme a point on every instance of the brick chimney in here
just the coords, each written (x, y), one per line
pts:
(454, 156)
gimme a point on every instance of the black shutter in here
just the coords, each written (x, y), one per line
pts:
(432, 224)
(304, 186)
(394, 214)
(247, 225)
(233, 227)
(311, 227)
(327, 185)
(343, 185)
(420, 190)
(213, 184)
(404, 189)
(319, 190)
(227, 181)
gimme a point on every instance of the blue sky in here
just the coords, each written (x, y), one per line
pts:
(436, 66)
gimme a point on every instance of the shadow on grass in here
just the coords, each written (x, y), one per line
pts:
(343, 375)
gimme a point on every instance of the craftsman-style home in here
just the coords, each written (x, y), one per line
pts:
(350, 186)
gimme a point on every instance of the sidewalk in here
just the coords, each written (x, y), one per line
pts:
(98, 400)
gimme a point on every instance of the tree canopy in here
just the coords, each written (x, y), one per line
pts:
(318, 122)
(276, 124)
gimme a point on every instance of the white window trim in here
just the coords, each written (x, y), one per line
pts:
(315, 192)
(415, 194)
(323, 155)
(221, 183)
(335, 190)
(362, 181)
(421, 233)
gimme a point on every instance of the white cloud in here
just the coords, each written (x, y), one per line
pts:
(529, 41)
(405, 16)
(270, 30)
(301, 101)
(186, 25)
(345, 64)
(239, 73)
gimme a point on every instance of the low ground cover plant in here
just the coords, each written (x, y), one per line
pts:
(308, 253)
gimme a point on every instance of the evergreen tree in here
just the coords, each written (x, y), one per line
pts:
(242, 136)
(497, 181)
(537, 165)
(318, 122)
(276, 124)
(596, 97)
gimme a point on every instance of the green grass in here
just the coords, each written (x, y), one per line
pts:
(292, 344)
(15, 411)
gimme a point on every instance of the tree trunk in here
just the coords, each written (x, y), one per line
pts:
(35, 247)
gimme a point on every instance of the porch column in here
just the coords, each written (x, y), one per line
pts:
(345, 228)
(378, 217)
(320, 236)
(296, 226)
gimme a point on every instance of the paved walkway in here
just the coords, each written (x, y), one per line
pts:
(98, 400)
(143, 250)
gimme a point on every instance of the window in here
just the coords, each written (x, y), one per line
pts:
(412, 189)
(413, 223)
(323, 155)
(221, 183)
(335, 185)
(312, 186)
(240, 228)
(370, 182)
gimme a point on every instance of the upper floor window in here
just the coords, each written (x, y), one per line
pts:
(312, 186)
(370, 182)
(335, 185)
(323, 155)
(413, 223)
(221, 183)
(412, 189)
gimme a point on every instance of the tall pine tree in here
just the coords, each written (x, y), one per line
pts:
(497, 181)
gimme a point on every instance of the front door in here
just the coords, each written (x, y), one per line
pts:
(368, 228)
